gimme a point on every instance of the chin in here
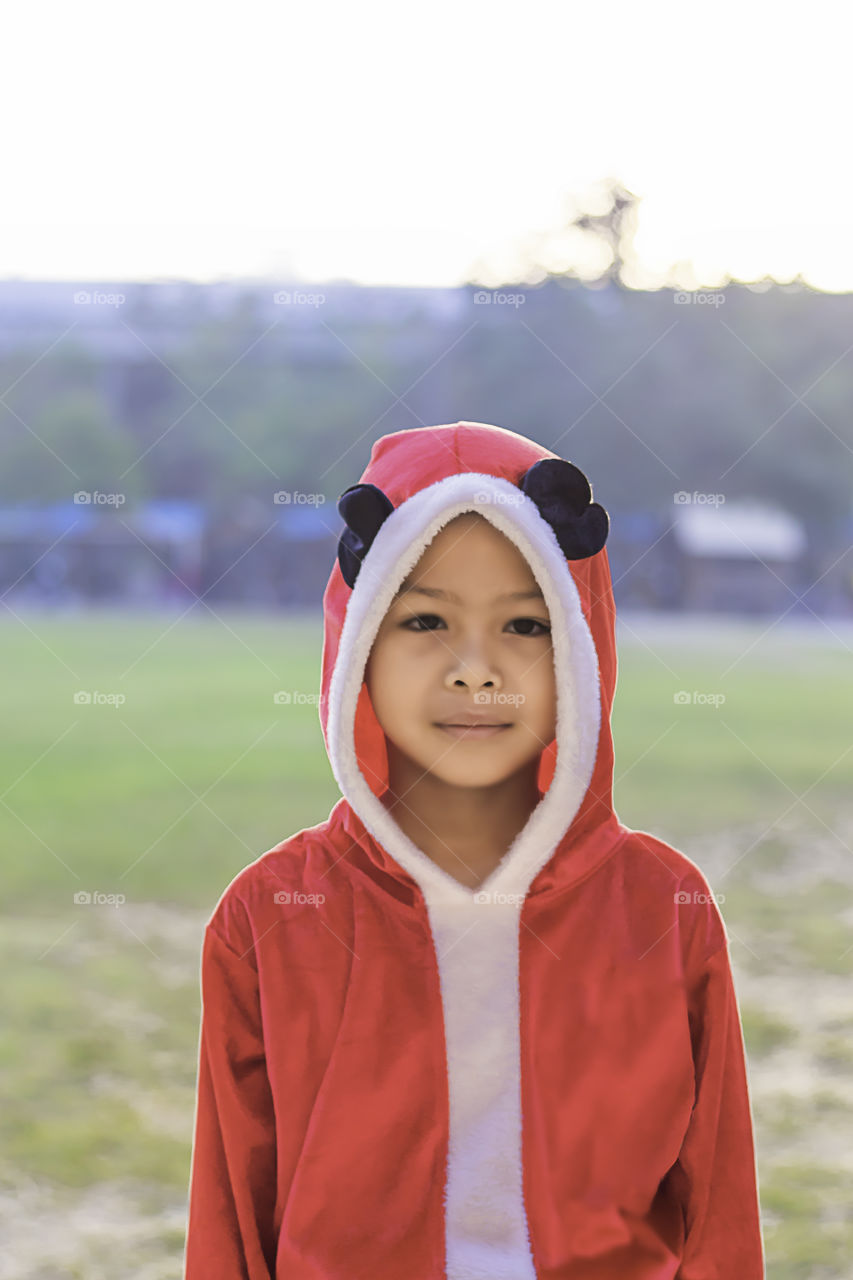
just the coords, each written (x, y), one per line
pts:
(473, 773)
(469, 779)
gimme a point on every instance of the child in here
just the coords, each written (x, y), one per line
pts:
(470, 1026)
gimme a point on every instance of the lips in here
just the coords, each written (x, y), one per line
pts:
(472, 722)
(472, 731)
(466, 723)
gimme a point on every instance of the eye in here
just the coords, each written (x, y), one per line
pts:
(428, 621)
(545, 628)
(421, 617)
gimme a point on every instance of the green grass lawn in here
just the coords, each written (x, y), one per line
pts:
(696, 767)
(104, 797)
(101, 1020)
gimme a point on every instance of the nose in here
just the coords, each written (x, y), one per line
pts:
(472, 666)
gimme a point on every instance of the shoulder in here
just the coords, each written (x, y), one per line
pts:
(646, 852)
(660, 874)
(291, 872)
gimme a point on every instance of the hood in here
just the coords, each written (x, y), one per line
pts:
(427, 476)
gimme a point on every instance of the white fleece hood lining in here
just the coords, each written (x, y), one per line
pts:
(396, 549)
(476, 932)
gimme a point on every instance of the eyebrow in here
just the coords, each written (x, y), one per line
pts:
(438, 594)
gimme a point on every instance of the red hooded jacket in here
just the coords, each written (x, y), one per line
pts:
(401, 1078)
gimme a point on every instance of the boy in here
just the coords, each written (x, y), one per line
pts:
(471, 1026)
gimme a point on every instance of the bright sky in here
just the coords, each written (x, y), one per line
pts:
(385, 143)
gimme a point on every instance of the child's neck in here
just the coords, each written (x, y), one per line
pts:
(464, 830)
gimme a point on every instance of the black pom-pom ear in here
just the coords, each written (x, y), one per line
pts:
(364, 508)
(563, 495)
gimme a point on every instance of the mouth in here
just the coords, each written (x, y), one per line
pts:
(479, 730)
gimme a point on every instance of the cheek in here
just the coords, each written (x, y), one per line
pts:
(542, 695)
(391, 676)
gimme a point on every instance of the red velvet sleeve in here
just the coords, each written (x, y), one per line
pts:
(232, 1191)
(715, 1175)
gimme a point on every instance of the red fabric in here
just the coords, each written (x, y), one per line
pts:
(321, 1127)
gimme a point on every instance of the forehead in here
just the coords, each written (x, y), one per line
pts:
(470, 553)
(467, 535)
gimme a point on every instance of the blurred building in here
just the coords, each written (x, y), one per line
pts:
(739, 557)
(736, 557)
(162, 552)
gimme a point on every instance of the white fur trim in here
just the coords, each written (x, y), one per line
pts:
(485, 1220)
(476, 941)
(396, 549)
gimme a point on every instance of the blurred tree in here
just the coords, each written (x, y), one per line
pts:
(72, 443)
(748, 397)
(615, 225)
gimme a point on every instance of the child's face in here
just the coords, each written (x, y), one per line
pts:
(436, 659)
